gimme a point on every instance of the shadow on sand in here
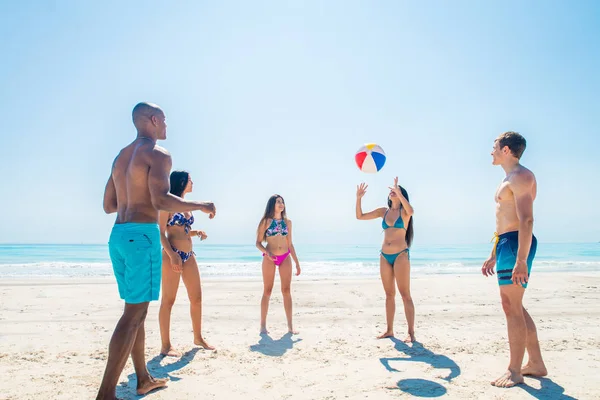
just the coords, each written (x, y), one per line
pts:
(418, 353)
(274, 348)
(548, 390)
(128, 390)
(421, 388)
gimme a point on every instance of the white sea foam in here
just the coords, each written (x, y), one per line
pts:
(314, 269)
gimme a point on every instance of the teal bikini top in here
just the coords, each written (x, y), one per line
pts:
(399, 224)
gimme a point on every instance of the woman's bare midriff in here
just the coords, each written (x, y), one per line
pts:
(277, 245)
(179, 239)
(394, 241)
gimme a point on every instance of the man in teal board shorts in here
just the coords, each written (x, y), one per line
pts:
(513, 253)
(137, 189)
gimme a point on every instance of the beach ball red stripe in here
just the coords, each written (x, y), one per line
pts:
(360, 158)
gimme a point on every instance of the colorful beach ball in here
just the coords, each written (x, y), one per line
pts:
(370, 158)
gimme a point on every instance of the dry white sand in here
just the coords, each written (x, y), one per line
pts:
(55, 334)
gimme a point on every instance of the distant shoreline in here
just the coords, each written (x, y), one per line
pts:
(301, 244)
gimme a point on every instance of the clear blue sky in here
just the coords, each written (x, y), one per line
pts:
(265, 97)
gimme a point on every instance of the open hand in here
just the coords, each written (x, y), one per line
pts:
(298, 270)
(396, 188)
(176, 263)
(202, 235)
(519, 275)
(488, 266)
(361, 190)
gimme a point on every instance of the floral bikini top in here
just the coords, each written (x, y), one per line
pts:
(181, 220)
(277, 227)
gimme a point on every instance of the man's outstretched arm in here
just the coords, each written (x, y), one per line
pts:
(158, 182)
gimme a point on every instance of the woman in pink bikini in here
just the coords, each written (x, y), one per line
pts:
(276, 230)
(179, 262)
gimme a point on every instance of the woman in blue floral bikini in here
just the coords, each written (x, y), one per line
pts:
(276, 230)
(179, 262)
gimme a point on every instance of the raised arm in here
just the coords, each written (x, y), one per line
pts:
(408, 210)
(360, 192)
(406, 207)
(158, 182)
(377, 213)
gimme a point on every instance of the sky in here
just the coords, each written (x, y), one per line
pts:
(277, 97)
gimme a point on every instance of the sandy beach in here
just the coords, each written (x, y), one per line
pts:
(55, 334)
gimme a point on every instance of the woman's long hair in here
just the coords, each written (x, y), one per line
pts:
(270, 212)
(178, 181)
(409, 229)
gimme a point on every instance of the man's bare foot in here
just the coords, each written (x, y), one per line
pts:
(151, 384)
(386, 334)
(409, 338)
(202, 343)
(509, 379)
(169, 352)
(531, 369)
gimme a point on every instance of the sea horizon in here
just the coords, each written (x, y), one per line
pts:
(30, 260)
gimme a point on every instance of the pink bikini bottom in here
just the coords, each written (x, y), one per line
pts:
(279, 259)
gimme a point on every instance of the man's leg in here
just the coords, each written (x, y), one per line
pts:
(120, 347)
(145, 382)
(535, 365)
(512, 303)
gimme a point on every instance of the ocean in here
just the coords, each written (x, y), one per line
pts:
(317, 261)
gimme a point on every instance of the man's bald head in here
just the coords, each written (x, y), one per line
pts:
(145, 110)
(149, 119)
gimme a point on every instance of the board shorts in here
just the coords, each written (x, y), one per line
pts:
(506, 256)
(136, 255)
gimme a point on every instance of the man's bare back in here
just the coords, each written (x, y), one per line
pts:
(507, 219)
(130, 176)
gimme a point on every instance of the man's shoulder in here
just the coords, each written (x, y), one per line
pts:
(159, 152)
(116, 159)
(523, 176)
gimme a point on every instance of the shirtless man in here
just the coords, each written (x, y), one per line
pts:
(137, 189)
(513, 253)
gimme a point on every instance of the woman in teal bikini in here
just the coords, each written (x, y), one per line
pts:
(179, 262)
(276, 230)
(394, 260)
